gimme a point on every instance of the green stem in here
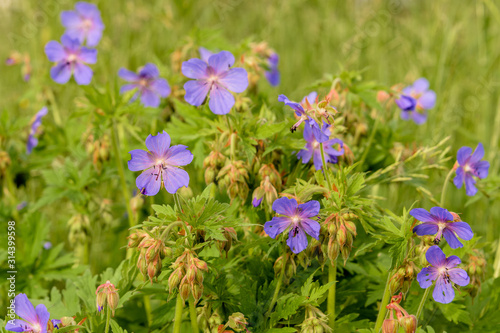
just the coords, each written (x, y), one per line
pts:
(108, 318)
(332, 277)
(368, 145)
(121, 173)
(147, 309)
(385, 300)
(55, 109)
(178, 314)
(192, 314)
(445, 186)
(277, 290)
(325, 168)
(422, 302)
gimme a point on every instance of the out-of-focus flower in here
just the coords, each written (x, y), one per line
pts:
(312, 149)
(439, 221)
(47, 245)
(150, 86)
(415, 100)
(33, 319)
(161, 165)
(298, 218)
(444, 272)
(83, 23)
(37, 121)
(70, 57)
(107, 294)
(215, 76)
(273, 75)
(470, 165)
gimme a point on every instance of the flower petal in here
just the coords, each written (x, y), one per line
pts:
(285, 206)
(149, 182)
(462, 155)
(61, 72)
(196, 92)
(94, 35)
(299, 110)
(140, 160)
(24, 308)
(205, 54)
(470, 188)
(420, 85)
(451, 239)
(452, 261)
(459, 276)
(441, 214)
(311, 227)
(158, 144)
(149, 98)
(221, 61)
(311, 98)
(297, 240)
(83, 74)
(427, 100)
(309, 209)
(443, 292)
(149, 71)
(88, 56)
(305, 154)
(427, 228)
(435, 256)
(175, 178)
(128, 87)
(459, 178)
(235, 79)
(128, 75)
(406, 103)
(43, 317)
(276, 226)
(317, 160)
(221, 101)
(426, 276)
(70, 19)
(422, 215)
(462, 229)
(178, 155)
(17, 325)
(160, 87)
(55, 51)
(419, 117)
(194, 69)
(273, 77)
(482, 168)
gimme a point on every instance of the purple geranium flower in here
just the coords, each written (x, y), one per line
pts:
(150, 86)
(415, 100)
(214, 76)
(34, 319)
(37, 121)
(470, 165)
(83, 23)
(313, 149)
(273, 75)
(205, 54)
(311, 98)
(298, 218)
(440, 222)
(160, 165)
(443, 271)
(70, 58)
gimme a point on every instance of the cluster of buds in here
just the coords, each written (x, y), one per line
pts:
(152, 251)
(208, 320)
(269, 186)
(98, 148)
(341, 234)
(425, 243)
(319, 110)
(233, 177)
(64, 322)
(5, 162)
(402, 279)
(315, 250)
(236, 321)
(17, 58)
(315, 321)
(107, 294)
(407, 322)
(213, 163)
(259, 59)
(285, 262)
(79, 227)
(230, 236)
(187, 275)
(476, 270)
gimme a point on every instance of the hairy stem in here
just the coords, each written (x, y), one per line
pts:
(422, 302)
(192, 314)
(332, 277)
(178, 314)
(108, 318)
(385, 300)
(325, 169)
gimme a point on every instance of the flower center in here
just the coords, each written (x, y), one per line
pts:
(36, 328)
(295, 219)
(467, 168)
(143, 82)
(87, 24)
(71, 58)
(315, 144)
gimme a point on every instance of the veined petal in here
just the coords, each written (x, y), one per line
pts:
(427, 100)
(470, 188)
(299, 110)
(149, 182)
(317, 160)
(443, 291)
(205, 54)
(478, 154)
(435, 256)
(297, 240)
(427, 228)
(140, 160)
(451, 239)
(462, 155)
(462, 229)
(70, 19)
(481, 169)
(311, 98)
(196, 92)
(194, 69)
(158, 144)
(61, 72)
(426, 276)
(235, 79)
(128, 75)
(276, 226)
(94, 35)
(55, 51)
(221, 61)
(441, 214)
(43, 317)
(178, 155)
(17, 325)
(459, 276)
(311, 227)
(221, 101)
(419, 117)
(175, 178)
(452, 261)
(305, 155)
(459, 178)
(422, 215)
(128, 87)
(420, 85)
(83, 74)
(309, 209)
(25, 309)
(149, 98)
(285, 206)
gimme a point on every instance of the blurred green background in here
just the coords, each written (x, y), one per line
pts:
(455, 45)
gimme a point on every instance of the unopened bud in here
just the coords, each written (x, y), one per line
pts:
(408, 323)
(197, 291)
(390, 325)
(184, 291)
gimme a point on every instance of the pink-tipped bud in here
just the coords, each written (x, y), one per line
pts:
(408, 323)
(390, 325)
(191, 273)
(201, 264)
(184, 291)
(107, 293)
(197, 291)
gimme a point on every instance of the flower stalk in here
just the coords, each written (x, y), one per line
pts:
(178, 314)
